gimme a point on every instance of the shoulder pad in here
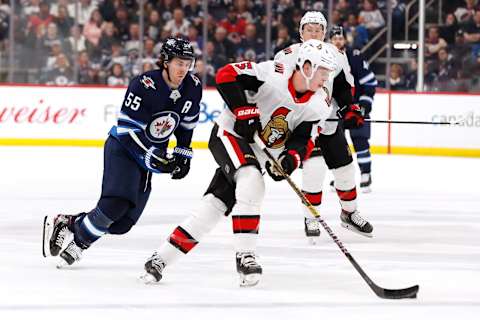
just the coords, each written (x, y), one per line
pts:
(195, 80)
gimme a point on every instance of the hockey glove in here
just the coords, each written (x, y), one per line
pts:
(353, 116)
(289, 160)
(159, 161)
(182, 155)
(247, 122)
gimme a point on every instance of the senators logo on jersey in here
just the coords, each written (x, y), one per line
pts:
(276, 132)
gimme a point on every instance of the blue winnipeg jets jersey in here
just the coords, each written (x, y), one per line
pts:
(151, 112)
(365, 81)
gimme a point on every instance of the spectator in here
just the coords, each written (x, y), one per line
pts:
(251, 42)
(107, 38)
(85, 75)
(166, 9)
(396, 79)
(433, 42)
(444, 70)
(55, 51)
(214, 59)
(371, 17)
(200, 71)
(92, 29)
(42, 18)
(122, 23)
(243, 10)
(55, 8)
(147, 66)
(152, 27)
(356, 34)
(344, 9)
(234, 25)
(466, 13)
(61, 74)
(282, 40)
(449, 29)
(4, 23)
(411, 76)
(149, 55)
(178, 25)
(223, 46)
(63, 21)
(472, 31)
(133, 42)
(84, 9)
(76, 42)
(117, 78)
(461, 52)
(194, 13)
(195, 40)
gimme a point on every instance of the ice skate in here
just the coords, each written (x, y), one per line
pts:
(70, 255)
(354, 222)
(248, 269)
(366, 182)
(312, 230)
(332, 186)
(55, 234)
(153, 269)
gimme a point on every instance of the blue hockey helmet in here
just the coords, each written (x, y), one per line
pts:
(176, 48)
(336, 31)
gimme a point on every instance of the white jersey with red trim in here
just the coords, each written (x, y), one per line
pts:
(280, 110)
(288, 56)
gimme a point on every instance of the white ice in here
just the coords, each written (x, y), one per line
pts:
(425, 211)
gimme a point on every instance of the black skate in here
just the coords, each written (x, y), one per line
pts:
(366, 182)
(71, 254)
(248, 269)
(153, 269)
(354, 222)
(312, 229)
(55, 234)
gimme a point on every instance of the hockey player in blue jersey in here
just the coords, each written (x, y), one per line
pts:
(365, 84)
(157, 104)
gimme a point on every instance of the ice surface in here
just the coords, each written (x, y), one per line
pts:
(425, 211)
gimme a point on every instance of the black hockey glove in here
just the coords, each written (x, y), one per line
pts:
(183, 156)
(366, 106)
(247, 122)
(159, 161)
(289, 160)
(353, 116)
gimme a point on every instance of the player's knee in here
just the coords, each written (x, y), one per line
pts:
(313, 174)
(121, 226)
(344, 177)
(114, 208)
(360, 144)
(250, 186)
(209, 212)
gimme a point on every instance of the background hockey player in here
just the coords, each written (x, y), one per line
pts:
(284, 109)
(365, 84)
(157, 104)
(331, 143)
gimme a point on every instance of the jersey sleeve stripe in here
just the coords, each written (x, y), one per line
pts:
(367, 78)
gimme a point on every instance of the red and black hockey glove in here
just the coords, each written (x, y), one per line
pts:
(289, 160)
(183, 156)
(247, 121)
(353, 116)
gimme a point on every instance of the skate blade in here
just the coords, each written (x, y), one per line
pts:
(62, 264)
(47, 230)
(249, 280)
(353, 229)
(312, 240)
(147, 278)
(366, 189)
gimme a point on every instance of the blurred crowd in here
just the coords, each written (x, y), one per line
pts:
(99, 41)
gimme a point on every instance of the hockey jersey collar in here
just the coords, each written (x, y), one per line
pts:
(304, 98)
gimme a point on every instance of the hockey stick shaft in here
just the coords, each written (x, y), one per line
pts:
(406, 122)
(380, 292)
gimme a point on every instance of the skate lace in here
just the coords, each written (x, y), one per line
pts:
(249, 260)
(74, 251)
(157, 263)
(62, 234)
(312, 224)
(357, 219)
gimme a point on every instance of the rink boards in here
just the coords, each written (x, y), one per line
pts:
(82, 116)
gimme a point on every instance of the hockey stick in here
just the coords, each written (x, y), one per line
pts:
(452, 123)
(383, 293)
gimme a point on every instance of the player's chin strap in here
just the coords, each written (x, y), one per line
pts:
(410, 292)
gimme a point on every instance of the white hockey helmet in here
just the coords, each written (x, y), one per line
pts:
(318, 54)
(315, 17)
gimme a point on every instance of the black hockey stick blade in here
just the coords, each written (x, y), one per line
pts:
(407, 293)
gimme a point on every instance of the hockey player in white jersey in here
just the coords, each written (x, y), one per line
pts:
(284, 107)
(331, 147)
